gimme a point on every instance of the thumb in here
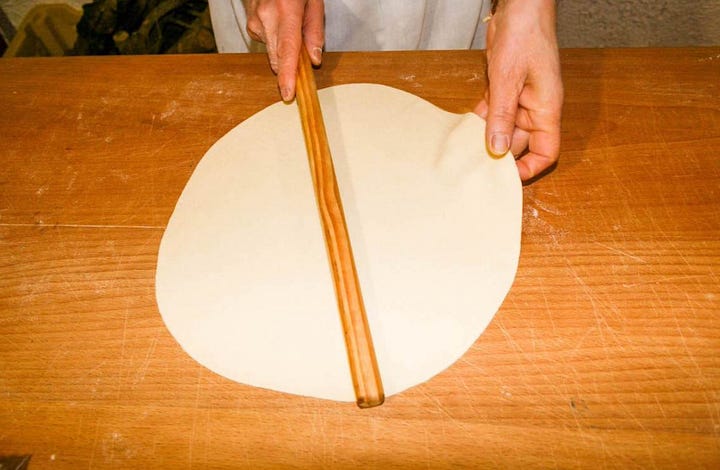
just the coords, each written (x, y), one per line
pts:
(501, 112)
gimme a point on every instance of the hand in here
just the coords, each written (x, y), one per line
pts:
(284, 25)
(523, 103)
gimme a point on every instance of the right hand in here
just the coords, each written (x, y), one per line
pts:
(523, 103)
(284, 26)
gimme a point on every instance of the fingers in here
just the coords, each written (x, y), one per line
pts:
(285, 26)
(544, 148)
(254, 26)
(482, 109)
(541, 119)
(314, 29)
(537, 131)
(262, 25)
(520, 140)
(289, 42)
(532, 165)
(520, 137)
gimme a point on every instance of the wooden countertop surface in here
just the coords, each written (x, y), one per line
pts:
(606, 352)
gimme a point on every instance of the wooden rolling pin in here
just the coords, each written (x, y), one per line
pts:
(361, 353)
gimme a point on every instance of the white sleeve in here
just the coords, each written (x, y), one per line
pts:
(228, 21)
(371, 25)
(405, 25)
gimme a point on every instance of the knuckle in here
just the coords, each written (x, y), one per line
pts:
(502, 113)
(287, 48)
(265, 11)
(255, 30)
(285, 6)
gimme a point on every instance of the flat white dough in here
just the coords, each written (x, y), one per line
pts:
(243, 281)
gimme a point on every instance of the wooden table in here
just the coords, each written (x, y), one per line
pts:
(606, 352)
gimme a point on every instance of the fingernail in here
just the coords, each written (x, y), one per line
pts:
(499, 144)
(286, 93)
(316, 54)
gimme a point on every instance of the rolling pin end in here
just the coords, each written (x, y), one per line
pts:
(370, 402)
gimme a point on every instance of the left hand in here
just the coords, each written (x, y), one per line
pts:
(523, 103)
(285, 26)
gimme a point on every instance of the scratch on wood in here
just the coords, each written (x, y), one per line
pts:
(122, 349)
(600, 320)
(622, 252)
(95, 442)
(140, 376)
(101, 226)
(444, 410)
(660, 407)
(198, 386)
(469, 392)
(688, 351)
(664, 279)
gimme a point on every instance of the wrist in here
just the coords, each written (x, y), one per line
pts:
(526, 15)
(496, 5)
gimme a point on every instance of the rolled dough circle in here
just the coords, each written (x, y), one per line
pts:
(243, 281)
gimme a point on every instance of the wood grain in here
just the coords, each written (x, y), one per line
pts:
(604, 353)
(364, 370)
